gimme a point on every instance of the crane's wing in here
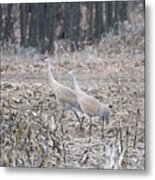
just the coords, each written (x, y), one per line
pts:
(66, 94)
(89, 105)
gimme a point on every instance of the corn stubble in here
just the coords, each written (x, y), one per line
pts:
(35, 132)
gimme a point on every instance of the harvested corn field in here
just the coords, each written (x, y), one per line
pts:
(36, 131)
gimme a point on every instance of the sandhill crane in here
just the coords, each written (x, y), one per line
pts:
(65, 95)
(90, 105)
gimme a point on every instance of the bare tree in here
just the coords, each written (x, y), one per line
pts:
(90, 7)
(23, 24)
(42, 26)
(123, 11)
(1, 26)
(33, 26)
(51, 16)
(8, 29)
(99, 20)
(66, 20)
(71, 23)
(43, 23)
(109, 15)
(116, 16)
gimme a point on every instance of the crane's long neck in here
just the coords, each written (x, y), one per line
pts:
(76, 85)
(50, 73)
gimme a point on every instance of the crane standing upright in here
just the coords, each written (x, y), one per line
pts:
(64, 95)
(90, 105)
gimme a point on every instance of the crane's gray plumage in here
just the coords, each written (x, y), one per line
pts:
(89, 104)
(63, 94)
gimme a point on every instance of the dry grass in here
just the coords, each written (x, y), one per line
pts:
(32, 135)
(35, 133)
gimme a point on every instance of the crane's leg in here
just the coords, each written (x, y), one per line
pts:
(102, 129)
(90, 128)
(107, 119)
(80, 122)
(63, 135)
(60, 119)
(56, 103)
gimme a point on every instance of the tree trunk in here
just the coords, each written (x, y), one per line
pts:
(109, 17)
(71, 23)
(116, 17)
(90, 7)
(99, 20)
(42, 26)
(8, 30)
(1, 24)
(124, 11)
(67, 17)
(75, 28)
(33, 27)
(23, 24)
(51, 16)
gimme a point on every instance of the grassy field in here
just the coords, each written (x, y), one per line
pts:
(35, 133)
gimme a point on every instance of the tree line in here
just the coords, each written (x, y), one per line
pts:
(41, 24)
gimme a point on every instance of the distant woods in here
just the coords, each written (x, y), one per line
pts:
(40, 25)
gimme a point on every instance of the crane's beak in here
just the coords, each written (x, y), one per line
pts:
(45, 59)
(110, 106)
